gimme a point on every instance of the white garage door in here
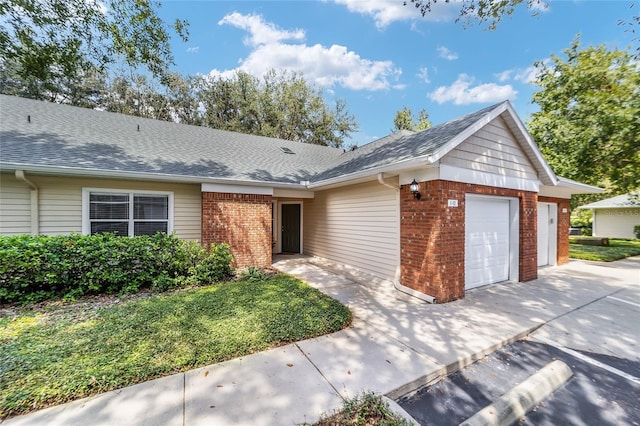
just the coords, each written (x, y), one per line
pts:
(487, 241)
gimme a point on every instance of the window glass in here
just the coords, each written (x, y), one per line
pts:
(109, 206)
(128, 213)
(120, 228)
(149, 228)
(150, 207)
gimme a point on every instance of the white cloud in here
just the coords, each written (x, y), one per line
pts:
(539, 6)
(385, 12)
(461, 92)
(194, 49)
(423, 74)
(447, 54)
(324, 66)
(261, 32)
(526, 75)
(504, 76)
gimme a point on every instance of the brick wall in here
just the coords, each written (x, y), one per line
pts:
(241, 220)
(564, 222)
(432, 236)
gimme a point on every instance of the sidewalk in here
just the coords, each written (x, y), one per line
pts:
(396, 344)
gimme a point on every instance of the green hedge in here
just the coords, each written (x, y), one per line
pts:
(35, 268)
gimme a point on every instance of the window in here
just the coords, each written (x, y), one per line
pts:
(126, 212)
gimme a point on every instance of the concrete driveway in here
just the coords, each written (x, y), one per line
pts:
(395, 345)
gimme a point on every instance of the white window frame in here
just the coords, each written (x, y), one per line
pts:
(86, 220)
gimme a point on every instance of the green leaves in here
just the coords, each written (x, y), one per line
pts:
(588, 126)
(281, 105)
(72, 351)
(52, 45)
(35, 268)
(405, 120)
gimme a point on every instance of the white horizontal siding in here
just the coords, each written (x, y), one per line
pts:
(358, 225)
(61, 203)
(615, 223)
(15, 206)
(492, 149)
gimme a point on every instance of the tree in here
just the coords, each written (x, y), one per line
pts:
(588, 126)
(482, 11)
(405, 120)
(49, 46)
(281, 105)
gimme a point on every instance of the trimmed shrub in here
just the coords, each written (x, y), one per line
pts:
(35, 268)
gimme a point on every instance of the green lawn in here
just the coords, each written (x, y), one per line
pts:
(617, 249)
(54, 355)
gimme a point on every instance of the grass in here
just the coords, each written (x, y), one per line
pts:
(367, 409)
(617, 249)
(51, 356)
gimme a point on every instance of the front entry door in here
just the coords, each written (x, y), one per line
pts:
(291, 228)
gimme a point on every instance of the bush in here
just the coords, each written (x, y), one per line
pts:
(35, 268)
(636, 231)
(253, 274)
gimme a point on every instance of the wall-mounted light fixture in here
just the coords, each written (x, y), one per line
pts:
(415, 189)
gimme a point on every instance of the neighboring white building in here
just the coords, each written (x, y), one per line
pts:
(615, 217)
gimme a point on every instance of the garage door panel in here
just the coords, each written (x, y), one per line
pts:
(487, 241)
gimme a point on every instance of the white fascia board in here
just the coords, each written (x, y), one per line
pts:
(160, 177)
(394, 168)
(292, 193)
(492, 115)
(583, 188)
(422, 175)
(459, 174)
(461, 137)
(236, 189)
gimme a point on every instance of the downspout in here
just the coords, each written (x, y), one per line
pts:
(396, 280)
(35, 219)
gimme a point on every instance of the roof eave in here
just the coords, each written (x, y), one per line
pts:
(412, 163)
(160, 177)
(580, 188)
(546, 174)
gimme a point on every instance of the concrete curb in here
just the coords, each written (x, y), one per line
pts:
(434, 376)
(519, 400)
(395, 408)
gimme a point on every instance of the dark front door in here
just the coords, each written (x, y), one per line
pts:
(291, 228)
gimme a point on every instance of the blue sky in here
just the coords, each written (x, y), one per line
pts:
(379, 55)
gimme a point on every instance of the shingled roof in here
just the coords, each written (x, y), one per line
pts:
(37, 134)
(626, 201)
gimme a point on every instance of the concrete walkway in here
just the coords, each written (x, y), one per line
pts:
(395, 345)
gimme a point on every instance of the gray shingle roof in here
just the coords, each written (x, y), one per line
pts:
(45, 134)
(402, 146)
(621, 201)
(66, 136)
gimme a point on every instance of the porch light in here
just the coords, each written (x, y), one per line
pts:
(415, 189)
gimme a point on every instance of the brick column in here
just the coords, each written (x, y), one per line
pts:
(241, 220)
(432, 236)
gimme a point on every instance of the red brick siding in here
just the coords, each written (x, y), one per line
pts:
(432, 236)
(564, 222)
(241, 220)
